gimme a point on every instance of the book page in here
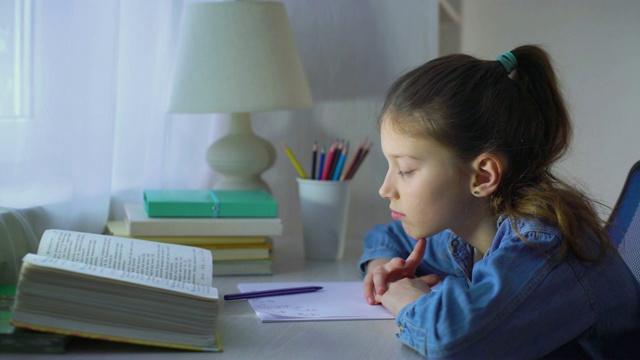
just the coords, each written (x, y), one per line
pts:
(163, 260)
(191, 289)
(340, 300)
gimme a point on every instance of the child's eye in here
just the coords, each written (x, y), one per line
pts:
(405, 173)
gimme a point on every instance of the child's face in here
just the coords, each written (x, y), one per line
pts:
(428, 189)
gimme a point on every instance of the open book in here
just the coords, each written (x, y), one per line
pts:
(119, 289)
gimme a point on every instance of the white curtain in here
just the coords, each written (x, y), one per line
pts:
(99, 132)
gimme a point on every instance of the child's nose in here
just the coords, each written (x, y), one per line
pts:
(385, 190)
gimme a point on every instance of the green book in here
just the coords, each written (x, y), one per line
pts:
(210, 203)
(13, 340)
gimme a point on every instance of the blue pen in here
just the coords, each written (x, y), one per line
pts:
(272, 292)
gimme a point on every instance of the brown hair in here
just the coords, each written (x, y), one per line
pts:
(472, 106)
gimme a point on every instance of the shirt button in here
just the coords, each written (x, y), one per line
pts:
(455, 243)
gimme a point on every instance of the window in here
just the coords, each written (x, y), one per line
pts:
(15, 59)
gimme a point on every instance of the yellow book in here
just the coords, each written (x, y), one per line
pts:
(228, 252)
(243, 267)
(119, 289)
(118, 228)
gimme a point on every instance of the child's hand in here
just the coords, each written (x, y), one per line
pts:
(379, 275)
(403, 292)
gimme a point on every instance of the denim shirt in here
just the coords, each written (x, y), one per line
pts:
(519, 301)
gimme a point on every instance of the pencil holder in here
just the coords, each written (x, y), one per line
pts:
(324, 209)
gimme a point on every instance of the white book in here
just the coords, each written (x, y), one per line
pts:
(139, 224)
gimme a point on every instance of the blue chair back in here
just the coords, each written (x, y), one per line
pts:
(624, 222)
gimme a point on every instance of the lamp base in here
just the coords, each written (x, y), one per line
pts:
(241, 157)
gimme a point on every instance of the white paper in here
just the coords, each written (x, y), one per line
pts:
(163, 260)
(342, 300)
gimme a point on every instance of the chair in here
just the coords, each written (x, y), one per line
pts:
(624, 221)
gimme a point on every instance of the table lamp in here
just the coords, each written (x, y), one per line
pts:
(238, 57)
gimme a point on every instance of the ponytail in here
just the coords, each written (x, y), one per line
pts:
(545, 195)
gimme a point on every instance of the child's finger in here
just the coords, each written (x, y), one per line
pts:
(367, 287)
(395, 265)
(431, 279)
(380, 279)
(416, 256)
(390, 271)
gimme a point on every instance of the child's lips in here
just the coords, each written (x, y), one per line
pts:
(396, 215)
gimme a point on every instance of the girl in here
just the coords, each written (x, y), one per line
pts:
(525, 264)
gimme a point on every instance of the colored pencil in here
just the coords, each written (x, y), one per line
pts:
(314, 159)
(355, 159)
(321, 166)
(332, 163)
(336, 157)
(294, 161)
(328, 161)
(341, 160)
(357, 166)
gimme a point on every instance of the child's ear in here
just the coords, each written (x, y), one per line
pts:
(487, 173)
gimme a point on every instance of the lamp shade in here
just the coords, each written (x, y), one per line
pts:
(237, 56)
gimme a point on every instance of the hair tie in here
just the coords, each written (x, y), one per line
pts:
(508, 61)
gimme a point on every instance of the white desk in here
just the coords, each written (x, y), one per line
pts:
(245, 337)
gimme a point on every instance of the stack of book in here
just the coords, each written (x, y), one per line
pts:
(237, 226)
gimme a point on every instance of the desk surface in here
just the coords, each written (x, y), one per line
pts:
(245, 337)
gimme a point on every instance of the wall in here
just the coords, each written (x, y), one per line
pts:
(595, 47)
(351, 52)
